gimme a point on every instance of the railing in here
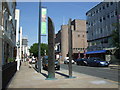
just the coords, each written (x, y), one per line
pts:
(8, 70)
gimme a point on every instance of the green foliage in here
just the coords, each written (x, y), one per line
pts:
(34, 49)
(10, 59)
(44, 47)
(115, 40)
(115, 36)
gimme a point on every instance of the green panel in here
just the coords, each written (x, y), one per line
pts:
(44, 21)
(44, 27)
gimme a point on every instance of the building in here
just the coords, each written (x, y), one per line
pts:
(100, 20)
(79, 40)
(25, 49)
(7, 42)
(17, 18)
(7, 31)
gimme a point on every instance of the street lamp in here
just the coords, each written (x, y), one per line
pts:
(39, 38)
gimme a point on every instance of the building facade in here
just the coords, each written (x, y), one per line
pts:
(100, 26)
(79, 40)
(100, 20)
(25, 49)
(7, 31)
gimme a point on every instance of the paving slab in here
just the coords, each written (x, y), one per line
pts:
(29, 78)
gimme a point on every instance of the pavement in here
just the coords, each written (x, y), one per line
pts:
(114, 66)
(30, 78)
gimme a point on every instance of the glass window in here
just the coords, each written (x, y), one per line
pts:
(83, 36)
(107, 5)
(115, 12)
(111, 3)
(103, 18)
(96, 11)
(101, 30)
(108, 16)
(100, 20)
(6, 24)
(103, 7)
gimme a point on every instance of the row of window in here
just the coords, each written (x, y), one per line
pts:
(81, 35)
(78, 49)
(103, 41)
(101, 19)
(100, 9)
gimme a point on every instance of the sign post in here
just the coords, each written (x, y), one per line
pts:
(70, 48)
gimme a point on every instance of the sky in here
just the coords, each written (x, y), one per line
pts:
(60, 12)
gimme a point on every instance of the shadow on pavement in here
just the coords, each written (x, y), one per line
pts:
(44, 75)
(35, 69)
(62, 74)
(41, 72)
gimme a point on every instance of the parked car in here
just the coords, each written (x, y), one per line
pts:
(66, 60)
(95, 61)
(82, 61)
(33, 61)
(45, 63)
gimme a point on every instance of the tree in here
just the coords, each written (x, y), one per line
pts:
(34, 49)
(115, 36)
(115, 40)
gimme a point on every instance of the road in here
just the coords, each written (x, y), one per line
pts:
(102, 72)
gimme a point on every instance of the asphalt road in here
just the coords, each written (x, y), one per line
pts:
(102, 72)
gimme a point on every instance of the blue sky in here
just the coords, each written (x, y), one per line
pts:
(60, 12)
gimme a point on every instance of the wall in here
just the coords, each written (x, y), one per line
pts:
(0, 46)
(64, 40)
(79, 36)
(99, 25)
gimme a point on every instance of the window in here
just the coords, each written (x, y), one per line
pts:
(103, 7)
(112, 14)
(86, 22)
(101, 30)
(83, 36)
(111, 3)
(91, 24)
(103, 18)
(115, 12)
(92, 34)
(108, 16)
(107, 5)
(96, 11)
(100, 20)
(78, 35)
(6, 25)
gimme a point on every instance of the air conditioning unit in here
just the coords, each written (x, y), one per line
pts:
(10, 17)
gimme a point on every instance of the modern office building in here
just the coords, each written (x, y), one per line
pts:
(100, 20)
(79, 40)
